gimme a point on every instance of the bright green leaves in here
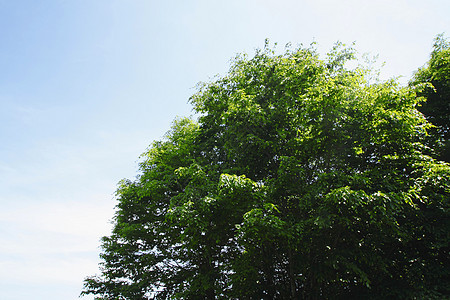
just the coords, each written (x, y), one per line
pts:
(234, 186)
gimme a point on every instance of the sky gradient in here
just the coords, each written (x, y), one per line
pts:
(87, 85)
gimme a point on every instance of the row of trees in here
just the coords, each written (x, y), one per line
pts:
(300, 180)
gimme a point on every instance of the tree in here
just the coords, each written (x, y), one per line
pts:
(433, 83)
(300, 180)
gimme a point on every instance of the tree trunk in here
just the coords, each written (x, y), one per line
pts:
(292, 274)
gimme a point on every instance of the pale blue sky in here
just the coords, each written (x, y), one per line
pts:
(86, 85)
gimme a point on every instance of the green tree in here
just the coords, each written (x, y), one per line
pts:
(433, 83)
(300, 180)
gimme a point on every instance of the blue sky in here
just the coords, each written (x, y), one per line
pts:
(86, 85)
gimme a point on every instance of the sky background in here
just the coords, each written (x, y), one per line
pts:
(87, 85)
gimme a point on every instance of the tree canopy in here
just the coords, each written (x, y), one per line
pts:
(301, 179)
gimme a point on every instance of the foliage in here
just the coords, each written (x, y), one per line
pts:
(433, 83)
(300, 180)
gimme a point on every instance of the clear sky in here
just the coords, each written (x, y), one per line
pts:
(87, 85)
